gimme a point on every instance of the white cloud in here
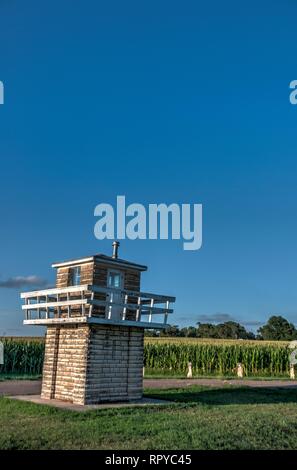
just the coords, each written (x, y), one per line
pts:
(23, 281)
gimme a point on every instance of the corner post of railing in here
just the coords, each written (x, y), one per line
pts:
(151, 311)
(138, 311)
(27, 310)
(38, 310)
(46, 310)
(110, 298)
(166, 313)
(125, 308)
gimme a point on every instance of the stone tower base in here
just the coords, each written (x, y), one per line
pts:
(89, 364)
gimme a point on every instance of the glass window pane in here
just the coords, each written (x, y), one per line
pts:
(114, 280)
(74, 276)
(117, 280)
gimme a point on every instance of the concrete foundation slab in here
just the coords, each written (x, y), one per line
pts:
(102, 406)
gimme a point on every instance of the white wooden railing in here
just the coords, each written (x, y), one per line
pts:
(79, 302)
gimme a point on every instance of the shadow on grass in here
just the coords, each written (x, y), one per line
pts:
(226, 396)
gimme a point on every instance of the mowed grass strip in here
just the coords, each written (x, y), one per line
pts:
(200, 418)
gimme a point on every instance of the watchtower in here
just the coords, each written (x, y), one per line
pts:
(95, 319)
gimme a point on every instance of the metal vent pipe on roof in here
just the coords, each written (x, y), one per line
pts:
(115, 248)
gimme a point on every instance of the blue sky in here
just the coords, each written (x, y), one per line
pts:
(161, 101)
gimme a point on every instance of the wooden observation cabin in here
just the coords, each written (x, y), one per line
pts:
(95, 318)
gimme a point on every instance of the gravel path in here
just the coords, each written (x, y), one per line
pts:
(20, 387)
(180, 383)
(33, 387)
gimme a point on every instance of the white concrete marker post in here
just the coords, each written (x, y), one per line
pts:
(1, 353)
(240, 370)
(190, 373)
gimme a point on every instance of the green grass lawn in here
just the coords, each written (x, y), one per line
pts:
(200, 418)
(19, 377)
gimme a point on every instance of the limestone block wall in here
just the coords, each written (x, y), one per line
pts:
(86, 275)
(91, 364)
(115, 364)
(64, 369)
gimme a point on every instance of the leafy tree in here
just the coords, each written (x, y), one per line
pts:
(251, 335)
(206, 330)
(171, 331)
(231, 330)
(227, 330)
(278, 328)
(189, 332)
(151, 333)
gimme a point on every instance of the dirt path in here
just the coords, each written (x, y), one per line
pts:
(20, 387)
(33, 387)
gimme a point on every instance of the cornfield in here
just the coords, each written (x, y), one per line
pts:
(216, 357)
(22, 356)
(170, 356)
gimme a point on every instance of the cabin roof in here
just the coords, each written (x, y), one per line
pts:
(100, 258)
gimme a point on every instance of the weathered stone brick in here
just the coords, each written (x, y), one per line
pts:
(89, 364)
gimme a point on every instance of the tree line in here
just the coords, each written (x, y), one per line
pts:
(277, 328)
